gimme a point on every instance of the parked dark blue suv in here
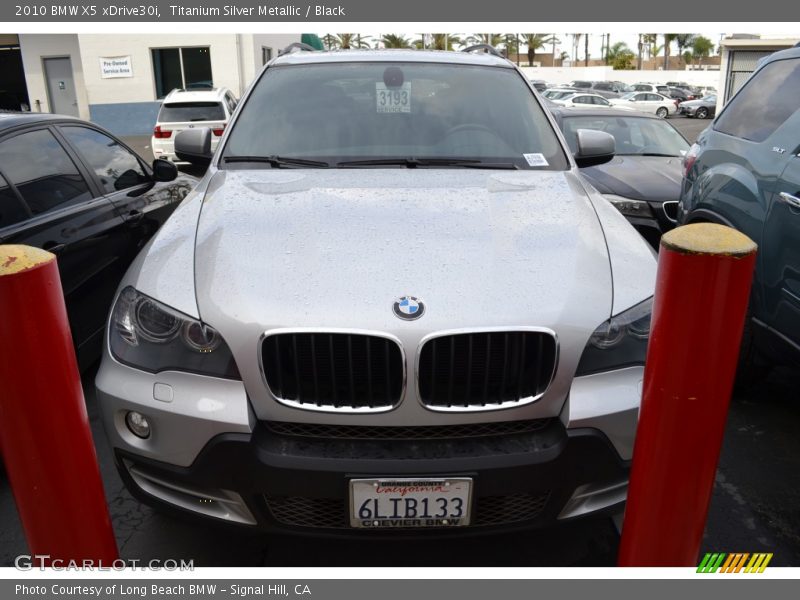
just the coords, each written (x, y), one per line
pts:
(744, 171)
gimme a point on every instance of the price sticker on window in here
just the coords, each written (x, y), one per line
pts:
(393, 99)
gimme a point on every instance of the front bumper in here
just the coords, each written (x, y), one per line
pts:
(209, 455)
(294, 484)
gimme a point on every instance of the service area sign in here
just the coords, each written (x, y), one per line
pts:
(115, 66)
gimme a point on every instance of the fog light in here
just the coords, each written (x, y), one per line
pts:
(138, 424)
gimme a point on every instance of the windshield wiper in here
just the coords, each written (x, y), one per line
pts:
(411, 162)
(278, 161)
(656, 154)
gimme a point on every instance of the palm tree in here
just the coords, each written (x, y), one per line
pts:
(668, 39)
(651, 40)
(576, 41)
(493, 39)
(329, 40)
(438, 41)
(537, 41)
(701, 47)
(585, 49)
(510, 45)
(620, 56)
(346, 41)
(683, 40)
(390, 40)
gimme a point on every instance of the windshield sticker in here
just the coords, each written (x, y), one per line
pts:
(393, 99)
(536, 160)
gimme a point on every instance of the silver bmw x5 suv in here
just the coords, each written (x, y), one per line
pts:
(391, 304)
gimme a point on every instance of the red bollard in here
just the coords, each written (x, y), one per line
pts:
(702, 291)
(45, 438)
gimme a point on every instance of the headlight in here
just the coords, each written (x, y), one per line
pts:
(628, 207)
(619, 342)
(148, 335)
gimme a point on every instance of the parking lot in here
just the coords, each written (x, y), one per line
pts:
(754, 508)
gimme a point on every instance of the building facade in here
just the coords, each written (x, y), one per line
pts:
(118, 81)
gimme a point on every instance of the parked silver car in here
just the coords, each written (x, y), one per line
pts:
(392, 302)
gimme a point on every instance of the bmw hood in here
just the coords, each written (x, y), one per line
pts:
(652, 178)
(334, 249)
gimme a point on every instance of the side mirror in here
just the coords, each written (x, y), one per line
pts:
(194, 145)
(594, 147)
(164, 170)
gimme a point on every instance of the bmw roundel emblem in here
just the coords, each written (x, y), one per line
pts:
(408, 308)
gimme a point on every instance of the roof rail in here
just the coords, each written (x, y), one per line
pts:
(296, 46)
(488, 48)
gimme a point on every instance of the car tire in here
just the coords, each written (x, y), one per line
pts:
(702, 113)
(662, 112)
(751, 368)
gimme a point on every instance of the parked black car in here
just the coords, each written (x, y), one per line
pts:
(643, 180)
(680, 94)
(72, 188)
(702, 109)
(744, 172)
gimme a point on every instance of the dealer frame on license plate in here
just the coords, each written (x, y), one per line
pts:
(387, 503)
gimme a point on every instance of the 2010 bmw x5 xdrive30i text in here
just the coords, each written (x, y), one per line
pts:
(392, 303)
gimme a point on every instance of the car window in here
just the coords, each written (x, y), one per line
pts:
(641, 88)
(176, 112)
(762, 105)
(115, 166)
(11, 209)
(582, 99)
(633, 135)
(231, 102)
(654, 98)
(641, 97)
(601, 101)
(602, 86)
(42, 171)
(346, 111)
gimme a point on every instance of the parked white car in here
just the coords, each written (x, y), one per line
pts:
(651, 87)
(189, 109)
(657, 104)
(582, 100)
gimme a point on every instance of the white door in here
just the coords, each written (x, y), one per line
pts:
(61, 86)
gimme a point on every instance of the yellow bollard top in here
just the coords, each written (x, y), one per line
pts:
(708, 238)
(15, 258)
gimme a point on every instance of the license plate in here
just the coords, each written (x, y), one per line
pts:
(410, 502)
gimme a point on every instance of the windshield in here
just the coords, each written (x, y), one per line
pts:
(379, 110)
(191, 111)
(633, 135)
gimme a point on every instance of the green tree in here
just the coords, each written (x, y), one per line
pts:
(438, 41)
(493, 39)
(701, 47)
(510, 45)
(390, 40)
(621, 57)
(537, 41)
(329, 40)
(346, 41)
(668, 39)
(683, 41)
(651, 45)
